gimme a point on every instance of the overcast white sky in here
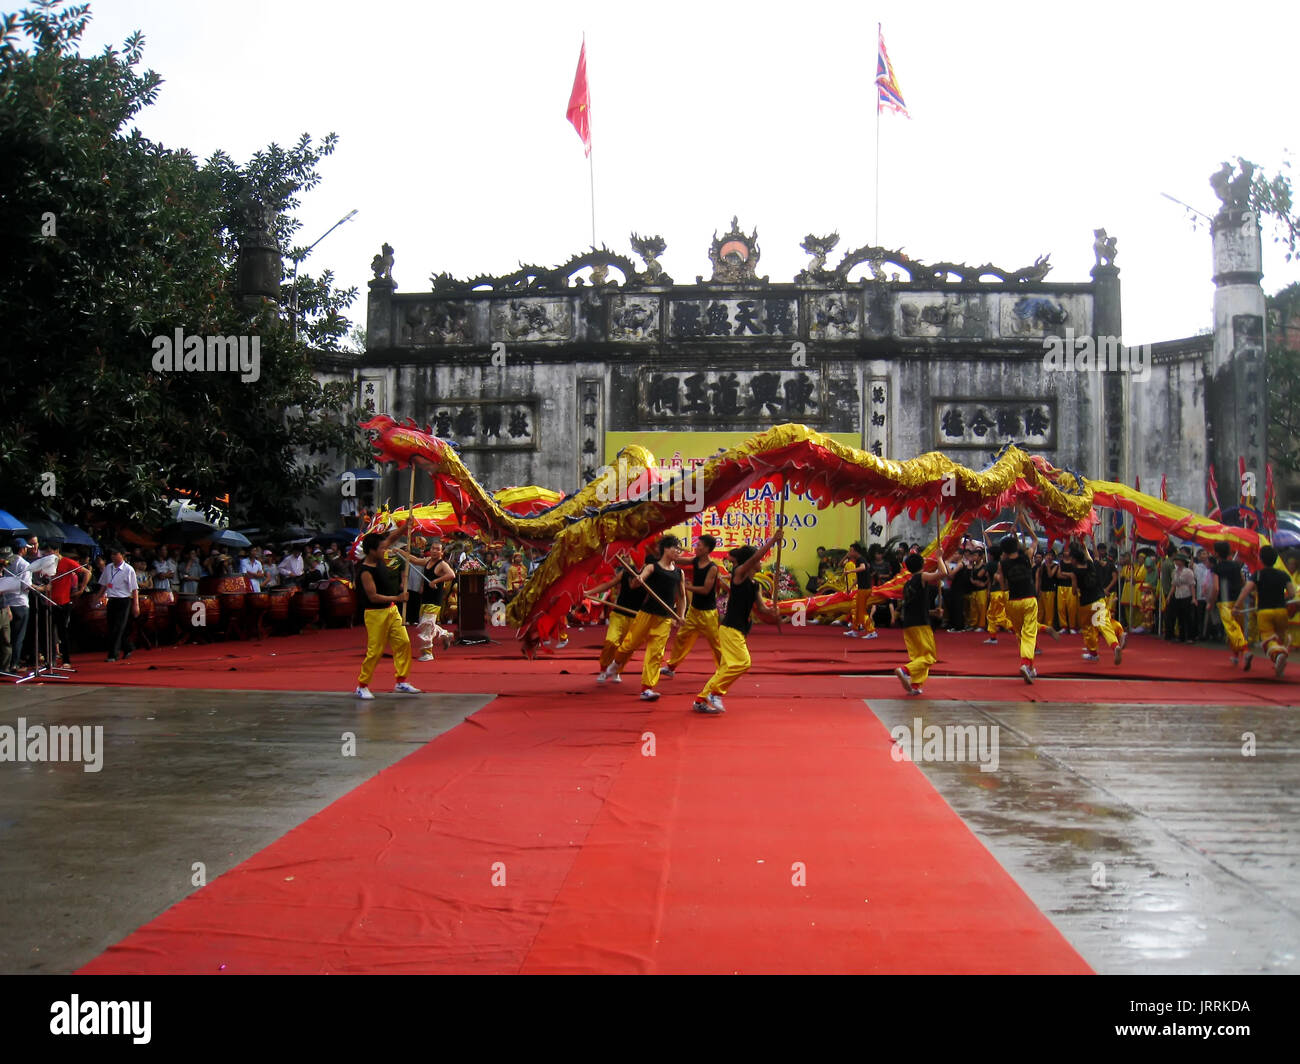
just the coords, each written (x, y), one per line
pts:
(1032, 124)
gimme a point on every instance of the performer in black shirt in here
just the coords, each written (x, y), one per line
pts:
(1016, 576)
(665, 602)
(631, 597)
(381, 594)
(1273, 588)
(702, 614)
(1094, 616)
(742, 600)
(918, 635)
(1225, 588)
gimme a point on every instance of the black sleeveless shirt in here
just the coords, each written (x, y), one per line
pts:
(698, 576)
(916, 604)
(385, 584)
(629, 597)
(664, 584)
(1019, 577)
(739, 604)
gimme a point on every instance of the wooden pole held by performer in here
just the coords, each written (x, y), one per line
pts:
(776, 581)
(651, 592)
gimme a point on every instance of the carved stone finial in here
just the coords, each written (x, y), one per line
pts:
(735, 256)
(1103, 248)
(382, 265)
(1233, 192)
(650, 248)
(818, 247)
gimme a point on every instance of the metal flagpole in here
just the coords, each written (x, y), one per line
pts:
(591, 163)
(876, 238)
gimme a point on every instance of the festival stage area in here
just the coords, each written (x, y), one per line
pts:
(526, 819)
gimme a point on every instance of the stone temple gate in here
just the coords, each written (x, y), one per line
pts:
(529, 372)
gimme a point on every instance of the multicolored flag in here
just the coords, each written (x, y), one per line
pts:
(888, 94)
(579, 112)
(1212, 508)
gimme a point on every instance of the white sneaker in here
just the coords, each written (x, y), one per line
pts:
(649, 695)
(904, 678)
(1279, 664)
(852, 633)
(405, 688)
(1119, 652)
(716, 702)
(426, 656)
(364, 693)
(1027, 673)
(562, 643)
(667, 670)
(872, 635)
(1089, 656)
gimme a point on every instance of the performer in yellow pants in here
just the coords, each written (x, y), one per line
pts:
(1225, 589)
(665, 602)
(380, 594)
(997, 614)
(1094, 617)
(741, 602)
(1067, 608)
(1016, 575)
(702, 614)
(631, 597)
(977, 609)
(918, 635)
(1272, 588)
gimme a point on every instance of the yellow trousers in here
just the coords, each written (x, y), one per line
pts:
(698, 623)
(1047, 607)
(1236, 641)
(977, 608)
(385, 628)
(652, 630)
(734, 662)
(1094, 618)
(861, 616)
(1273, 629)
(614, 634)
(997, 612)
(919, 641)
(1067, 608)
(1023, 615)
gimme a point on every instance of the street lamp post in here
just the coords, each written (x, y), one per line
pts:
(293, 297)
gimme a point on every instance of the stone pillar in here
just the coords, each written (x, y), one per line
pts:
(379, 305)
(260, 267)
(1114, 449)
(1236, 396)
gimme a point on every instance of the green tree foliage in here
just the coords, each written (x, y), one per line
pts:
(112, 240)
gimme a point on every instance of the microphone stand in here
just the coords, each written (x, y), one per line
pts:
(47, 671)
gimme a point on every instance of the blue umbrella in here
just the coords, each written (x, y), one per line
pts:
(9, 523)
(1285, 538)
(76, 536)
(226, 538)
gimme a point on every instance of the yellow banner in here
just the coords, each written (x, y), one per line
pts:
(752, 518)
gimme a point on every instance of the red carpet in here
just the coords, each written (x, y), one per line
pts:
(538, 837)
(810, 662)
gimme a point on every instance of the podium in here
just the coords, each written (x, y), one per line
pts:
(471, 606)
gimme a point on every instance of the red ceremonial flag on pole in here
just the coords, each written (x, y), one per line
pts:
(579, 112)
(888, 94)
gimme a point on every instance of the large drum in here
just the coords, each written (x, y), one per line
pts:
(340, 603)
(279, 608)
(307, 608)
(162, 619)
(187, 616)
(91, 617)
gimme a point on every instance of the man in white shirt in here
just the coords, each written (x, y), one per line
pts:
(291, 568)
(15, 566)
(252, 568)
(164, 571)
(121, 591)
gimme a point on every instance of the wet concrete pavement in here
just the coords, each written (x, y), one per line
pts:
(1145, 833)
(186, 777)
